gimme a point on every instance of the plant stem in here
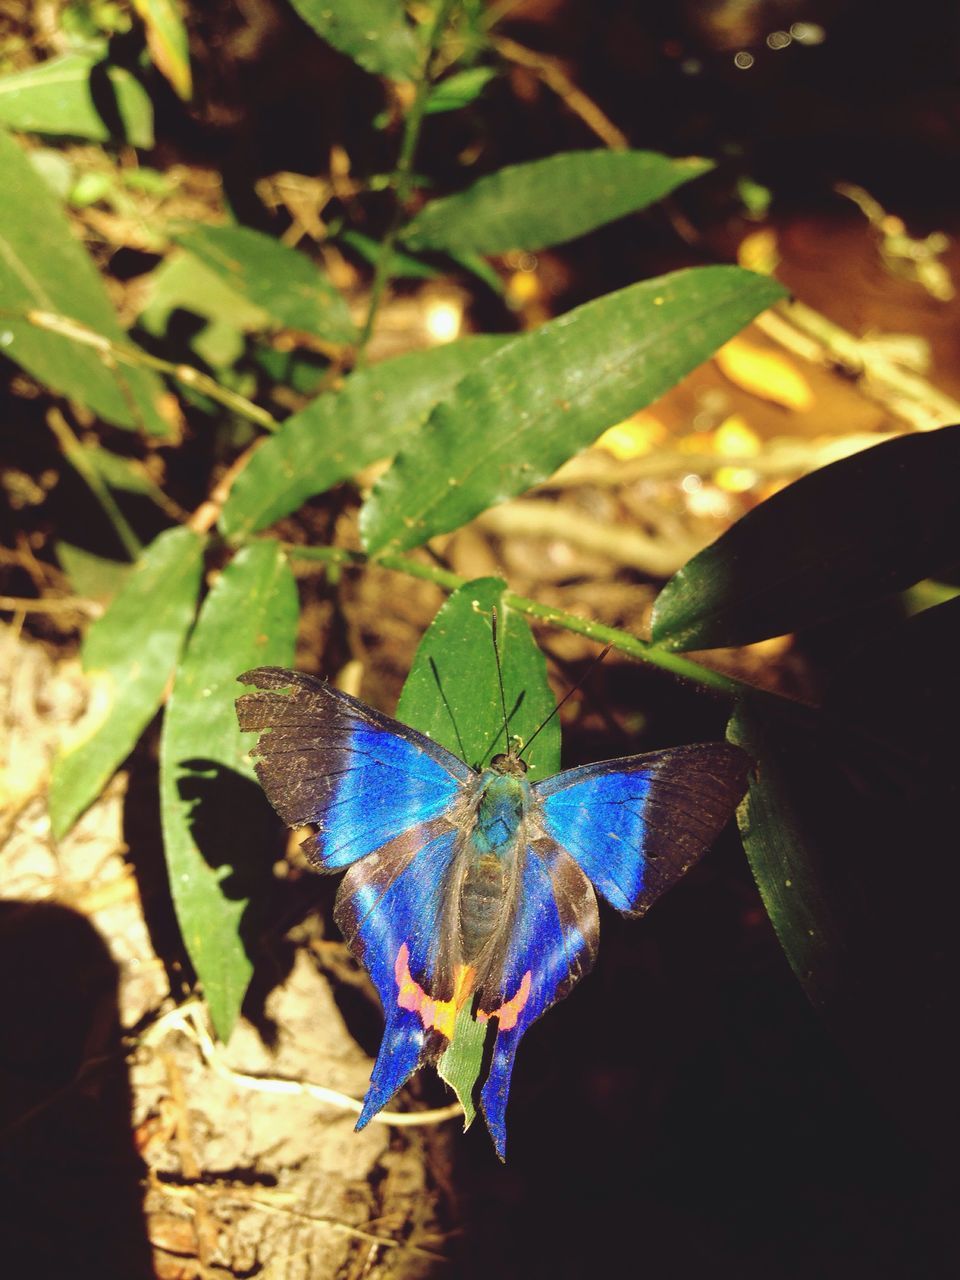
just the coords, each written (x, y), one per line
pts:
(402, 178)
(674, 663)
(123, 353)
(77, 456)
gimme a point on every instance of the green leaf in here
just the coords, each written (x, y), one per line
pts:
(129, 655)
(42, 268)
(374, 33)
(77, 96)
(459, 90)
(786, 863)
(545, 202)
(216, 825)
(337, 434)
(402, 265)
(168, 43)
(843, 536)
(285, 283)
(125, 475)
(95, 577)
(481, 268)
(550, 393)
(452, 694)
(461, 1062)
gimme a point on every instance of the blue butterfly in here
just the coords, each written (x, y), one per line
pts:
(470, 890)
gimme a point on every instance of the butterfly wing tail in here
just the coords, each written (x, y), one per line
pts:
(553, 944)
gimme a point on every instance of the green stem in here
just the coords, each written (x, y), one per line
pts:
(674, 663)
(402, 178)
(77, 456)
(123, 353)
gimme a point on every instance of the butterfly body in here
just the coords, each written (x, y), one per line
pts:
(472, 891)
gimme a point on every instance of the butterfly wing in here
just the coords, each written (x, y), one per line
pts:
(329, 759)
(389, 909)
(636, 825)
(551, 945)
(387, 802)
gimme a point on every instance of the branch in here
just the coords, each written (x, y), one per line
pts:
(124, 353)
(551, 72)
(674, 663)
(189, 1019)
(902, 392)
(76, 455)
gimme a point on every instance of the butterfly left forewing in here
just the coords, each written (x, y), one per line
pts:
(635, 825)
(328, 759)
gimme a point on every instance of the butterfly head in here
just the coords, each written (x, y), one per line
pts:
(509, 764)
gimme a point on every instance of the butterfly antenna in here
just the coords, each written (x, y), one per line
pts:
(503, 696)
(569, 694)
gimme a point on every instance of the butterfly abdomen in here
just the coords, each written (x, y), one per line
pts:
(481, 902)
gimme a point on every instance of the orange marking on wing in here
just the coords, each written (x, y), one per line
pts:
(439, 1014)
(509, 1011)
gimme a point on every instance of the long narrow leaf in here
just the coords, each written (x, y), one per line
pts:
(43, 268)
(844, 829)
(129, 655)
(550, 393)
(217, 828)
(337, 434)
(168, 42)
(374, 33)
(787, 863)
(285, 283)
(545, 202)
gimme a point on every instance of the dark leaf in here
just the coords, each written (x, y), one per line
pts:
(845, 535)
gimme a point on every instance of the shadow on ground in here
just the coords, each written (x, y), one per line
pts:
(70, 1178)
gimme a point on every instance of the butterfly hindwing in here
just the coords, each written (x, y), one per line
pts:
(389, 909)
(551, 945)
(331, 760)
(635, 825)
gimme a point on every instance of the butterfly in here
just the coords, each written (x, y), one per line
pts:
(473, 891)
